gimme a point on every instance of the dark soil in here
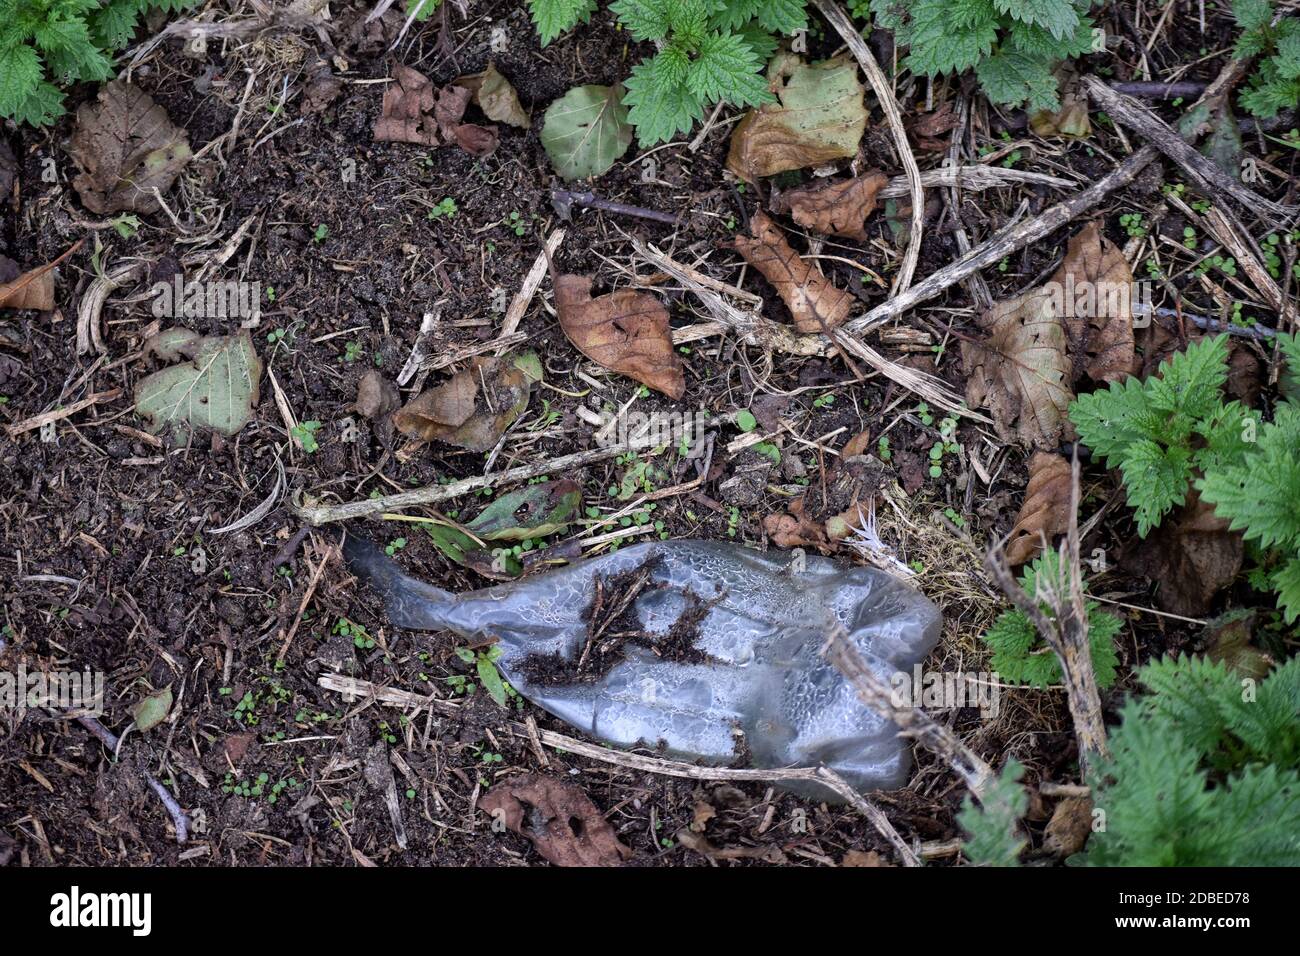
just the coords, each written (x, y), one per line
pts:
(109, 560)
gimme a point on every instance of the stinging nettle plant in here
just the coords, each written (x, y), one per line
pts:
(1274, 84)
(1012, 45)
(710, 51)
(45, 44)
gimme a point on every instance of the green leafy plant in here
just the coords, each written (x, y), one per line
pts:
(45, 44)
(1202, 772)
(1275, 82)
(1013, 45)
(710, 51)
(1020, 654)
(1174, 431)
(995, 837)
(1162, 431)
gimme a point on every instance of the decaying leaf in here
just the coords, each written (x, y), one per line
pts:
(414, 111)
(1190, 557)
(565, 827)
(1021, 372)
(153, 710)
(494, 95)
(626, 331)
(1046, 508)
(838, 509)
(796, 529)
(768, 852)
(820, 118)
(532, 512)
(1069, 828)
(31, 290)
(214, 386)
(474, 407)
(814, 302)
(928, 127)
(1070, 121)
(407, 112)
(1227, 639)
(586, 130)
(126, 147)
(376, 395)
(834, 209)
(1095, 286)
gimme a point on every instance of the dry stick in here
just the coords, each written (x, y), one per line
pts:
(837, 18)
(1006, 242)
(432, 494)
(1016, 237)
(519, 304)
(1230, 236)
(306, 599)
(1157, 90)
(1205, 175)
(564, 199)
(110, 740)
(911, 721)
(393, 697)
(36, 421)
(1065, 632)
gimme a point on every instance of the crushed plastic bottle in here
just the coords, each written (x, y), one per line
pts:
(715, 657)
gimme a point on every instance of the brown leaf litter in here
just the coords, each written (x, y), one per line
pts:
(473, 408)
(1045, 511)
(1192, 556)
(413, 111)
(127, 147)
(565, 827)
(625, 331)
(835, 208)
(813, 300)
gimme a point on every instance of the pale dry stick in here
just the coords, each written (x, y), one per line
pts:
(1005, 242)
(1230, 237)
(1065, 631)
(974, 177)
(432, 494)
(394, 697)
(1205, 175)
(1017, 237)
(976, 287)
(306, 599)
(44, 418)
(89, 336)
(911, 721)
(110, 740)
(432, 363)
(838, 19)
(532, 281)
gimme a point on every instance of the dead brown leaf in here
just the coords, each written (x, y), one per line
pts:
(814, 302)
(1068, 830)
(31, 290)
(406, 114)
(858, 858)
(563, 824)
(796, 529)
(473, 408)
(1046, 508)
(626, 331)
(928, 127)
(376, 396)
(1094, 284)
(414, 112)
(1070, 121)
(1191, 556)
(493, 94)
(127, 147)
(834, 209)
(1021, 372)
(1227, 638)
(703, 813)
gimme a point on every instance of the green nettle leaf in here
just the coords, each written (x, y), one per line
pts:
(585, 131)
(644, 19)
(1010, 78)
(995, 837)
(214, 386)
(659, 110)
(553, 17)
(153, 710)
(727, 69)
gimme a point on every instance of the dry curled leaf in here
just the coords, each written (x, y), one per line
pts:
(814, 302)
(626, 331)
(474, 407)
(563, 824)
(1068, 830)
(1046, 508)
(928, 127)
(820, 118)
(1021, 372)
(33, 289)
(796, 529)
(493, 94)
(127, 147)
(1094, 285)
(1070, 121)
(834, 209)
(376, 395)
(414, 112)
(1191, 556)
